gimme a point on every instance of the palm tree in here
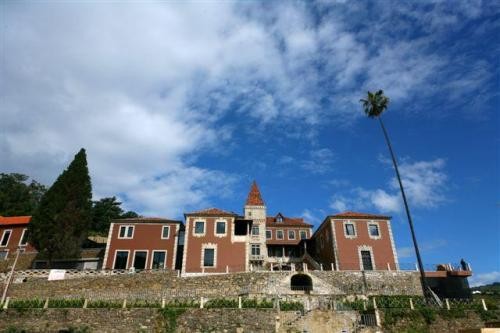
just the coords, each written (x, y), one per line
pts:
(374, 105)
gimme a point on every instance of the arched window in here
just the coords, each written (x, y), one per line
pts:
(301, 282)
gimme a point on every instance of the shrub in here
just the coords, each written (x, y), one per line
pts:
(291, 306)
(26, 303)
(170, 315)
(66, 303)
(221, 303)
(104, 304)
(137, 303)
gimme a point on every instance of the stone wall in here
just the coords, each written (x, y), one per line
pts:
(168, 285)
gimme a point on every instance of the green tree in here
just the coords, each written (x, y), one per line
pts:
(62, 220)
(17, 196)
(374, 105)
(105, 210)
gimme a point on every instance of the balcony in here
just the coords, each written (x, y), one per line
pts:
(257, 257)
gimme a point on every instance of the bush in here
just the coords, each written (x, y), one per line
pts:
(66, 303)
(291, 306)
(26, 303)
(101, 304)
(170, 315)
(221, 303)
(137, 303)
(183, 304)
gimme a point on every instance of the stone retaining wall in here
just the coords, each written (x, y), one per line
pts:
(168, 285)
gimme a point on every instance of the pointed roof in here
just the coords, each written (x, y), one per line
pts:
(254, 198)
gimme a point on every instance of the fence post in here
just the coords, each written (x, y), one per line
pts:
(201, 302)
(485, 308)
(203, 270)
(374, 303)
(6, 304)
(124, 305)
(46, 304)
(416, 267)
(364, 304)
(163, 303)
(411, 304)
(227, 269)
(320, 267)
(239, 302)
(377, 318)
(178, 273)
(85, 302)
(447, 303)
(332, 266)
(272, 267)
(388, 266)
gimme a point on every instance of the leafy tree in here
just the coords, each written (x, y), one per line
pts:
(61, 222)
(17, 196)
(374, 105)
(105, 210)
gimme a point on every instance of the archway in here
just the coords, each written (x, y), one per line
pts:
(301, 282)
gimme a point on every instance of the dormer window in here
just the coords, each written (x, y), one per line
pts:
(279, 219)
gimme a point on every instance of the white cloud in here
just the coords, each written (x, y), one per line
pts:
(425, 247)
(484, 278)
(424, 183)
(319, 161)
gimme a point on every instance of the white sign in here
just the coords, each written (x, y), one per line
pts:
(56, 274)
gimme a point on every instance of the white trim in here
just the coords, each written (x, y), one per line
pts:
(153, 256)
(162, 228)
(147, 255)
(208, 246)
(225, 228)
(282, 238)
(22, 236)
(8, 239)
(204, 227)
(378, 228)
(6, 251)
(108, 244)
(251, 230)
(334, 241)
(184, 250)
(345, 222)
(126, 226)
(288, 234)
(394, 252)
(176, 244)
(372, 257)
(128, 258)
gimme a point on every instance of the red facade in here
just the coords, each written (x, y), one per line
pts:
(142, 243)
(14, 235)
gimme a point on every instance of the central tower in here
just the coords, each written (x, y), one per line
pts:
(255, 210)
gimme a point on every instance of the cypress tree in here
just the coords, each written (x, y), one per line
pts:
(60, 224)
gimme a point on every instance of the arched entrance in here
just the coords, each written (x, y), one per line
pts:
(301, 282)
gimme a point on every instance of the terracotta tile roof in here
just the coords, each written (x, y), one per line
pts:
(146, 220)
(211, 212)
(12, 220)
(254, 197)
(271, 221)
(354, 215)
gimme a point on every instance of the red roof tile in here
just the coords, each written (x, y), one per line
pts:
(254, 198)
(12, 220)
(349, 214)
(212, 212)
(145, 220)
(271, 221)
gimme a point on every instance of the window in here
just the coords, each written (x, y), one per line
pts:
(279, 234)
(366, 259)
(373, 229)
(303, 234)
(291, 234)
(269, 234)
(255, 230)
(121, 260)
(279, 219)
(140, 258)
(209, 258)
(126, 231)
(165, 232)
(24, 238)
(199, 227)
(5, 238)
(255, 249)
(220, 227)
(3, 255)
(349, 229)
(158, 260)
(180, 238)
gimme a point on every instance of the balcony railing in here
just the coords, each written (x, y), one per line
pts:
(257, 257)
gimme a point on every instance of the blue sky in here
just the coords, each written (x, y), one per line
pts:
(181, 105)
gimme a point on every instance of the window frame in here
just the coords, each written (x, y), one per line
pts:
(25, 231)
(269, 232)
(375, 224)
(116, 255)
(127, 228)
(282, 234)
(209, 246)
(217, 234)
(344, 225)
(8, 239)
(252, 231)
(288, 234)
(163, 232)
(255, 246)
(303, 232)
(195, 234)
(360, 257)
(146, 260)
(153, 256)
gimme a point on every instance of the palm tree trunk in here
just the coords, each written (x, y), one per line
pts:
(415, 244)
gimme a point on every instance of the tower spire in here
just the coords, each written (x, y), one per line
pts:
(254, 197)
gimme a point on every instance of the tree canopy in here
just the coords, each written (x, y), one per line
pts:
(18, 196)
(61, 223)
(375, 103)
(105, 210)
